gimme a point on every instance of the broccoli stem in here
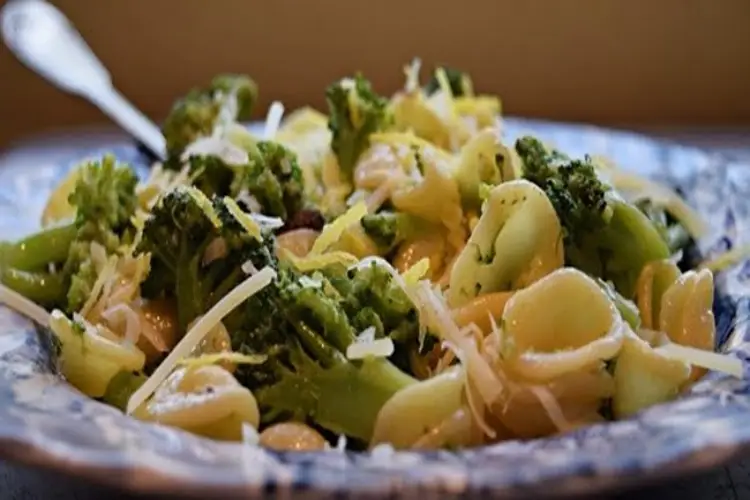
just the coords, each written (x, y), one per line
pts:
(39, 249)
(42, 288)
(344, 399)
(121, 387)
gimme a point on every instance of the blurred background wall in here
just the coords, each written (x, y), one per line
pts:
(615, 62)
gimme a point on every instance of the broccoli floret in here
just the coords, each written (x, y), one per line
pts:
(356, 112)
(229, 98)
(306, 330)
(304, 324)
(105, 201)
(603, 235)
(459, 82)
(178, 234)
(390, 229)
(571, 185)
(271, 175)
(274, 178)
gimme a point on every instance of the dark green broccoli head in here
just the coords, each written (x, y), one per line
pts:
(305, 324)
(603, 235)
(229, 98)
(355, 112)
(459, 82)
(273, 176)
(178, 234)
(573, 187)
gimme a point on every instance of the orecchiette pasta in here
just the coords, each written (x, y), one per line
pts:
(292, 436)
(644, 377)
(297, 241)
(654, 280)
(431, 246)
(88, 359)
(580, 326)
(206, 400)
(517, 241)
(415, 415)
(686, 314)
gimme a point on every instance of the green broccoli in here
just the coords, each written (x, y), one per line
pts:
(306, 330)
(105, 201)
(390, 229)
(271, 175)
(356, 112)
(603, 235)
(304, 324)
(177, 234)
(274, 178)
(459, 82)
(229, 98)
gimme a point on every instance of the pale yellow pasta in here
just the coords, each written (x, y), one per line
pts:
(518, 240)
(484, 160)
(434, 198)
(206, 400)
(297, 241)
(479, 310)
(431, 246)
(654, 280)
(560, 324)
(645, 377)
(570, 400)
(686, 312)
(292, 436)
(412, 111)
(89, 360)
(413, 412)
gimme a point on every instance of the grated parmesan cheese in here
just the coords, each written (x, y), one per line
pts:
(416, 272)
(378, 348)
(245, 220)
(705, 359)
(204, 204)
(332, 232)
(202, 327)
(236, 358)
(273, 120)
(18, 302)
(313, 262)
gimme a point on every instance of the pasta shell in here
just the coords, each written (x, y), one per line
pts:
(415, 410)
(686, 312)
(645, 377)
(560, 324)
(206, 400)
(517, 241)
(654, 280)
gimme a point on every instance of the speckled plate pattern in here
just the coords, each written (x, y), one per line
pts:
(45, 421)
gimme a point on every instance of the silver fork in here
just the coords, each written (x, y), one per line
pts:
(45, 41)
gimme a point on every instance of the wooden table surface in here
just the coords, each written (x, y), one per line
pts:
(730, 483)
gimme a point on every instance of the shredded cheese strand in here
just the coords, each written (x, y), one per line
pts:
(245, 220)
(273, 120)
(236, 358)
(18, 302)
(332, 232)
(202, 327)
(705, 359)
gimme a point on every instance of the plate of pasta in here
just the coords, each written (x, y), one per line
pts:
(394, 295)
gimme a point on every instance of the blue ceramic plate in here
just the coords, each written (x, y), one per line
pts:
(44, 421)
